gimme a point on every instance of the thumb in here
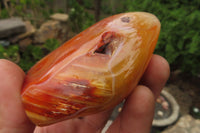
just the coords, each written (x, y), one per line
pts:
(12, 116)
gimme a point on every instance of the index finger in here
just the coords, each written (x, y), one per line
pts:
(156, 74)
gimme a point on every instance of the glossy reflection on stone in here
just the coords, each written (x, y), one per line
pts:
(93, 71)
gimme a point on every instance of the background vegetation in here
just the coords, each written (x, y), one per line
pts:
(179, 41)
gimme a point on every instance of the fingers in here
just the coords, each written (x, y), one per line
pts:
(140, 104)
(90, 124)
(138, 111)
(98, 121)
(12, 115)
(137, 114)
(135, 117)
(156, 74)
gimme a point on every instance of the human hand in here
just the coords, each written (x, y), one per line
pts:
(136, 116)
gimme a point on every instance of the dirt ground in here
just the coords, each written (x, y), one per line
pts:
(186, 90)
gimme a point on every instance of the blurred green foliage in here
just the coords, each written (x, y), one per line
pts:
(51, 44)
(79, 18)
(10, 53)
(4, 14)
(27, 57)
(34, 53)
(179, 40)
(36, 10)
(30, 56)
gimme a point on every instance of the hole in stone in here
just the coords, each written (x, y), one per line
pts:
(125, 19)
(106, 40)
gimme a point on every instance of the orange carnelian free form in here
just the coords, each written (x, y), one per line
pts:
(93, 71)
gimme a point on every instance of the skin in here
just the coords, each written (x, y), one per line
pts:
(136, 116)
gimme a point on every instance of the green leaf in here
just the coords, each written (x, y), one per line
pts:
(51, 44)
(195, 44)
(22, 2)
(171, 53)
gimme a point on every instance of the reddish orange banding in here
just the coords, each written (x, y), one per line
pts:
(93, 71)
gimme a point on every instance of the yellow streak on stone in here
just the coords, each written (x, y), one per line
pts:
(39, 119)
